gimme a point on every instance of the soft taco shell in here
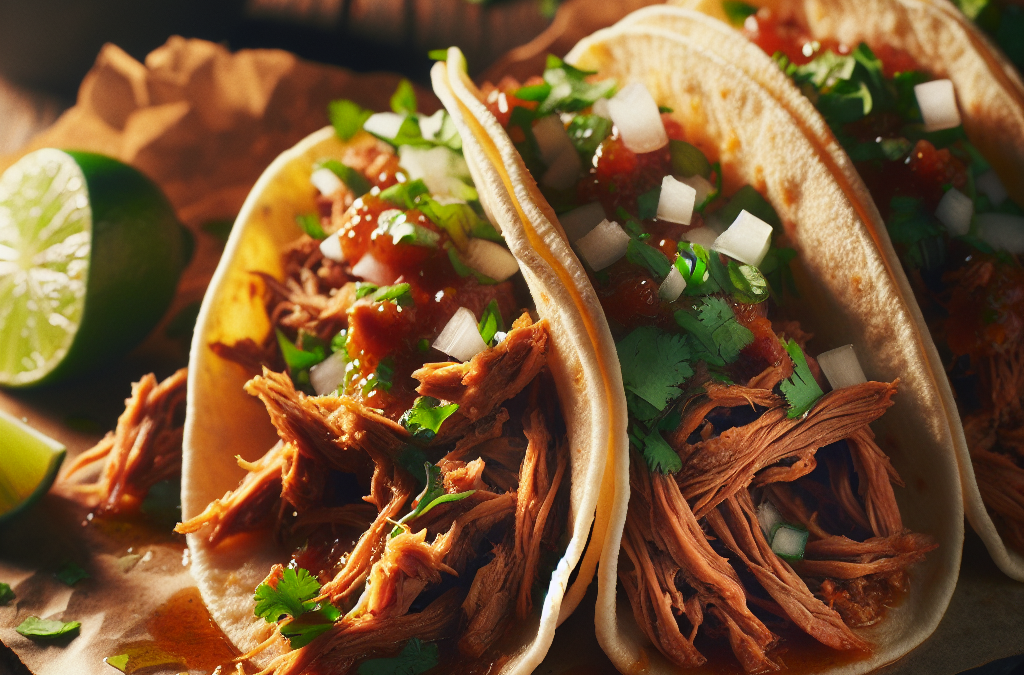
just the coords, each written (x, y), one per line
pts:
(991, 98)
(223, 421)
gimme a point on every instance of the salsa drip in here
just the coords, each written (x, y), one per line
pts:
(716, 449)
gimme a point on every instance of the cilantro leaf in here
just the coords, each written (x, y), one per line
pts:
(654, 364)
(587, 132)
(433, 494)
(567, 88)
(400, 294)
(347, 118)
(645, 255)
(33, 626)
(425, 417)
(717, 337)
(687, 160)
(364, 288)
(801, 391)
(749, 286)
(310, 224)
(303, 629)
(6, 594)
(647, 203)
(737, 12)
(396, 224)
(354, 180)
(298, 359)
(491, 322)
(659, 454)
(415, 658)
(776, 271)
(292, 596)
(913, 227)
(458, 220)
(71, 573)
(404, 195)
(381, 376)
(404, 98)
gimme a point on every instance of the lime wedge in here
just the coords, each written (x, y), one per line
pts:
(90, 255)
(29, 462)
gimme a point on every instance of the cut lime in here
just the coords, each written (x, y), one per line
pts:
(90, 255)
(28, 464)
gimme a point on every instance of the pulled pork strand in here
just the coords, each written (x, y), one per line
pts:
(145, 448)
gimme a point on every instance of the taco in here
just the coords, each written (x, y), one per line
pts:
(394, 439)
(759, 509)
(892, 82)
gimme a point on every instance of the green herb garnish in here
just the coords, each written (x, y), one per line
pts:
(347, 118)
(433, 494)
(424, 419)
(403, 101)
(310, 224)
(654, 364)
(643, 254)
(491, 323)
(6, 594)
(415, 658)
(381, 377)
(737, 12)
(354, 180)
(293, 597)
(687, 160)
(801, 391)
(33, 626)
(71, 573)
(565, 89)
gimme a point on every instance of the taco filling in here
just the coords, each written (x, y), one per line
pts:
(421, 477)
(958, 234)
(759, 502)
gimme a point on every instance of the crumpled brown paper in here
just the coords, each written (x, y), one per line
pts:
(203, 123)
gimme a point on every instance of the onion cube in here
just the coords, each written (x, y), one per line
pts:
(603, 245)
(701, 185)
(600, 108)
(989, 185)
(490, 259)
(676, 202)
(1002, 231)
(673, 285)
(703, 236)
(789, 542)
(460, 338)
(385, 125)
(552, 138)
(331, 248)
(937, 102)
(955, 210)
(581, 220)
(373, 270)
(326, 181)
(746, 240)
(769, 519)
(841, 367)
(564, 171)
(636, 115)
(329, 373)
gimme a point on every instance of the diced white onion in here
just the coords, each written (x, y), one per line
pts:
(370, 269)
(789, 542)
(989, 184)
(769, 519)
(703, 236)
(673, 285)
(701, 185)
(746, 240)
(328, 374)
(841, 367)
(430, 126)
(326, 181)
(581, 220)
(385, 125)
(331, 248)
(955, 210)
(600, 108)
(603, 245)
(564, 171)
(937, 102)
(1002, 231)
(460, 338)
(552, 138)
(444, 171)
(676, 202)
(636, 115)
(490, 259)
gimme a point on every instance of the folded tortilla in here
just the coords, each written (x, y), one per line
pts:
(224, 422)
(849, 292)
(990, 94)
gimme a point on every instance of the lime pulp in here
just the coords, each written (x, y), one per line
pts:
(29, 461)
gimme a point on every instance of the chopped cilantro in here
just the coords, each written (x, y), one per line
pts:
(403, 195)
(565, 89)
(687, 160)
(354, 180)
(310, 224)
(491, 322)
(415, 658)
(458, 220)
(748, 284)
(292, 595)
(912, 227)
(364, 288)
(347, 118)
(716, 336)
(801, 391)
(647, 203)
(438, 55)
(665, 109)
(645, 255)
(302, 630)
(299, 359)
(6, 594)
(33, 626)
(425, 417)
(400, 294)
(409, 133)
(587, 132)
(404, 98)
(71, 573)
(464, 270)
(737, 12)
(381, 377)
(659, 454)
(433, 494)
(776, 271)
(395, 223)
(972, 8)
(654, 364)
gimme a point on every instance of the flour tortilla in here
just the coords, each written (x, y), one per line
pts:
(990, 94)
(849, 292)
(223, 421)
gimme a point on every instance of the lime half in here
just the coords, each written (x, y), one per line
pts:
(90, 255)
(29, 462)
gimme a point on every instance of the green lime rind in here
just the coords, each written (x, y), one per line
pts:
(136, 251)
(29, 462)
